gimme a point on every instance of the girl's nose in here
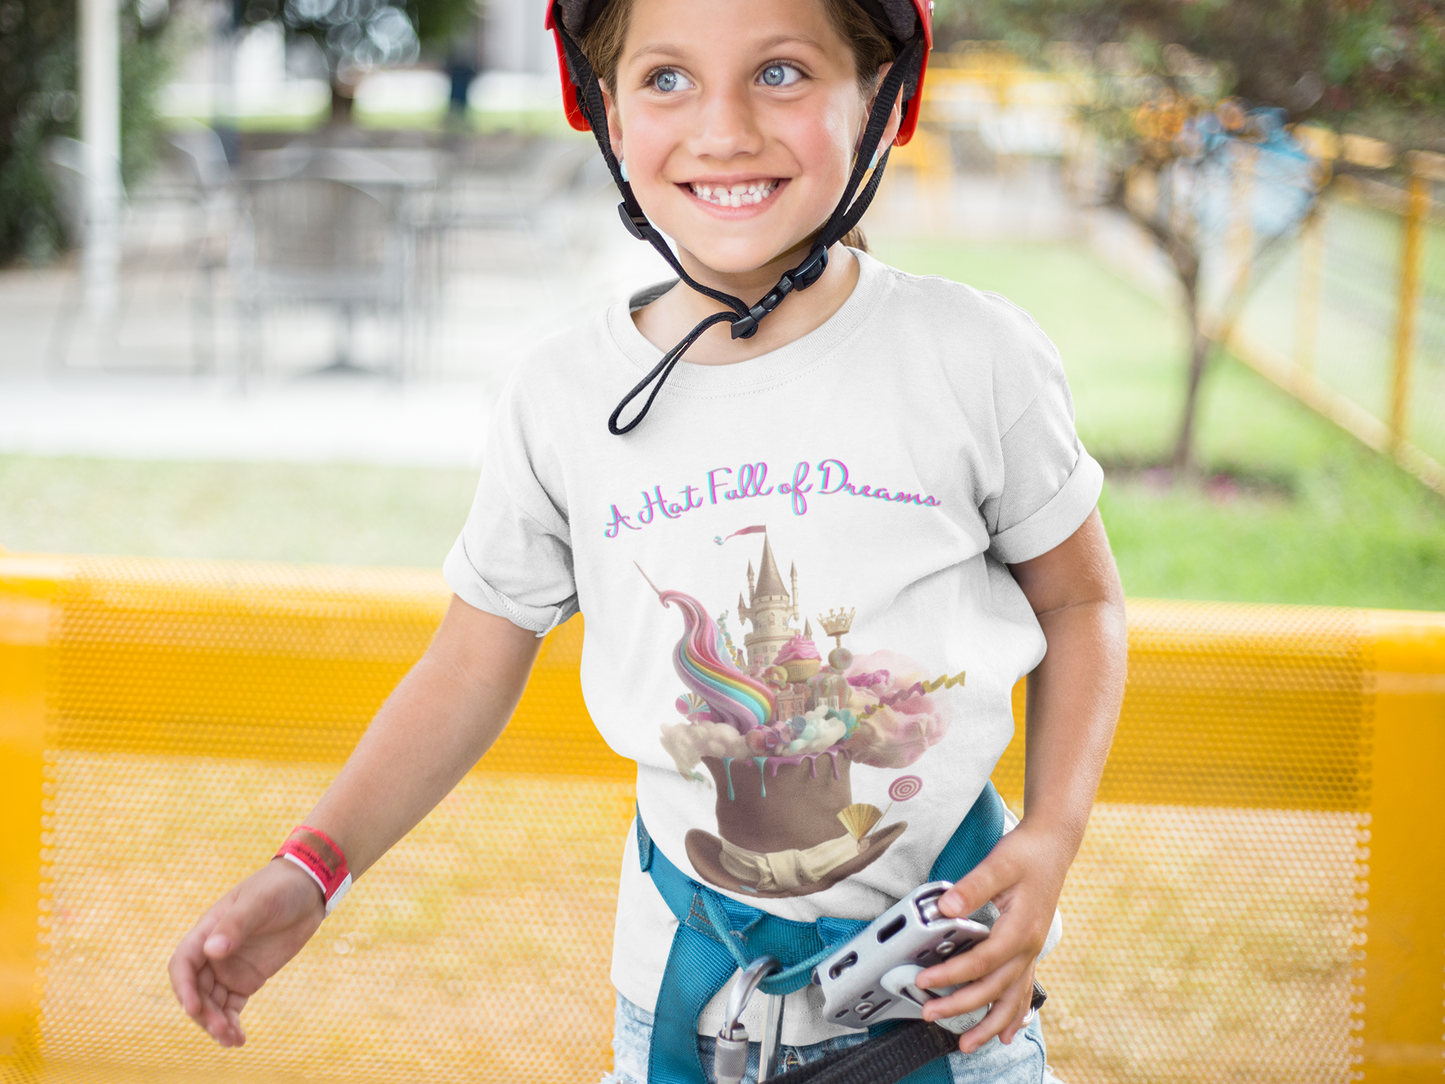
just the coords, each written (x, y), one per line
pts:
(726, 125)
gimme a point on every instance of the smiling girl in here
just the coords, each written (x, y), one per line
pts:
(907, 444)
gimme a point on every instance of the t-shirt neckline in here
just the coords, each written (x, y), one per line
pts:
(764, 370)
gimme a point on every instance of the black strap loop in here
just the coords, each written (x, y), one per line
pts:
(660, 372)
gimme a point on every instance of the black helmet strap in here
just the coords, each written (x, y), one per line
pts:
(744, 318)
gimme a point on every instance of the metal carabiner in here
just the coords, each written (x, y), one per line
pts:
(730, 1062)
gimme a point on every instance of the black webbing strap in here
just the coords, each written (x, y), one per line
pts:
(589, 92)
(660, 372)
(888, 1056)
(883, 1060)
(742, 317)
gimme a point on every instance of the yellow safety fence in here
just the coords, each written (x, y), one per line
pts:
(1260, 897)
(1350, 319)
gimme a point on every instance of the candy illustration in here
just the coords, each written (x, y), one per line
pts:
(860, 818)
(693, 706)
(799, 656)
(836, 624)
(904, 788)
(779, 736)
(701, 661)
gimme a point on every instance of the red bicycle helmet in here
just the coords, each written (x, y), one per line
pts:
(910, 25)
(901, 19)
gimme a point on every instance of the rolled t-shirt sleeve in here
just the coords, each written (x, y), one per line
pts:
(514, 555)
(1050, 483)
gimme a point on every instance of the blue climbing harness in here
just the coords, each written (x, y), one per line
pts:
(716, 936)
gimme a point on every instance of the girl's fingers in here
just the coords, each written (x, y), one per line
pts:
(983, 883)
(1005, 1018)
(233, 1017)
(1009, 940)
(972, 965)
(975, 995)
(1022, 995)
(248, 912)
(188, 959)
(182, 972)
(213, 1018)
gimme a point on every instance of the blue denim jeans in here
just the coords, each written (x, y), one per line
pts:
(1020, 1062)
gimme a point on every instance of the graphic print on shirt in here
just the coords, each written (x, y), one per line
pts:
(759, 720)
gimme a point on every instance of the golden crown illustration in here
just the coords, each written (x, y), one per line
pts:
(836, 623)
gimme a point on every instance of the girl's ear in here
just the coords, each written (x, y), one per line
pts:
(614, 120)
(895, 116)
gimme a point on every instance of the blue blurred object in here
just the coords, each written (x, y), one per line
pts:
(1283, 185)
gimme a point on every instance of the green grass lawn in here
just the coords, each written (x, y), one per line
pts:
(1329, 521)
(261, 511)
(1320, 519)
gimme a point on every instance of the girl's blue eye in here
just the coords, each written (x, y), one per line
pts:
(780, 75)
(669, 81)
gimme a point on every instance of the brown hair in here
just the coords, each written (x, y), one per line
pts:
(603, 39)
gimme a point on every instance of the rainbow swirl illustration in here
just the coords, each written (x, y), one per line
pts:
(701, 661)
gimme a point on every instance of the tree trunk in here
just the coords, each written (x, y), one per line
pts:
(1184, 258)
(1199, 348)
(342, 99)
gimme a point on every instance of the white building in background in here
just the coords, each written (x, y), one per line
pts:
(514, 40)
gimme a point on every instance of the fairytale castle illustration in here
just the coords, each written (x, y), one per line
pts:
(770, 607)
(756, 723)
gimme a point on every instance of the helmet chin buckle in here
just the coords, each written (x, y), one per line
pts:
(634, 225)
(799, 278)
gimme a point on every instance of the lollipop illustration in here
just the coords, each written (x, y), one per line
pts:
(904, 788)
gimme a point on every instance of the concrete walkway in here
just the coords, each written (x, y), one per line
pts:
(67, 390)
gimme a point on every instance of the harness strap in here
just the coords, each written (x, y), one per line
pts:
(905, 1053)
(717, 935)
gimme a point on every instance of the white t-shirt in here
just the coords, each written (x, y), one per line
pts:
(799, 620)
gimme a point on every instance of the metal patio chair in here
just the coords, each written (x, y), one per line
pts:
(316, 240)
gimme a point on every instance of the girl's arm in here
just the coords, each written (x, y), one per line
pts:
(1073, 704)
(437, 723)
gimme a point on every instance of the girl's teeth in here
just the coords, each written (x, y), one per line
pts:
(742, 194)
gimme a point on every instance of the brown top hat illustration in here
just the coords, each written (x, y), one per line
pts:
(786, 828)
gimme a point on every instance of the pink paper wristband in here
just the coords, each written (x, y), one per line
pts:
(321, 858)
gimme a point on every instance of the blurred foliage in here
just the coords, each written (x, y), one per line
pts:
(1319, 59)
(39, 99)
(1184, 95)
(358, 35)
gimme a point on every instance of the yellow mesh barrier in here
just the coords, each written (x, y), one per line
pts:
(1261, 894)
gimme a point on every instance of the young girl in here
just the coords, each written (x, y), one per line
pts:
(903, 446)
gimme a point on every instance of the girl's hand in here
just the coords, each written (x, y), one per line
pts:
(1024, 876)
(428, 734)
(240, 943)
